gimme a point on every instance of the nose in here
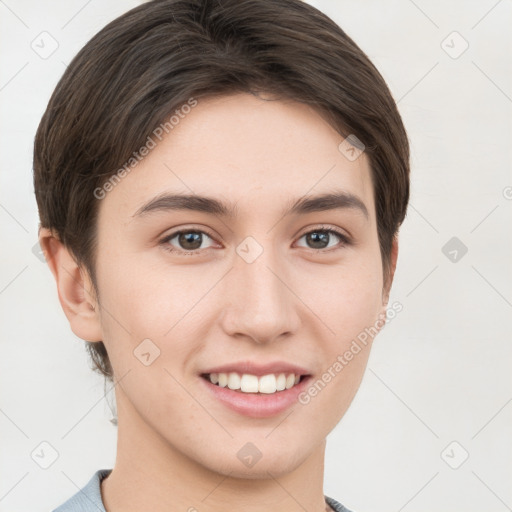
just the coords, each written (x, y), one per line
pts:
(259, 303)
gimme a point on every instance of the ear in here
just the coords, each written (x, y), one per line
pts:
(388, 281)
(74, 286)
(391, 273)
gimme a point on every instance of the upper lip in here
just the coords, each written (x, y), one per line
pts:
(252, 368)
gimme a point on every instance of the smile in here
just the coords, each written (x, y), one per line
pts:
(248, 383)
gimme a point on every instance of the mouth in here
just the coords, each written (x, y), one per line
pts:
(256, 391)
(268, 384)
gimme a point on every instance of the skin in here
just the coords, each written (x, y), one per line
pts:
(177, 445)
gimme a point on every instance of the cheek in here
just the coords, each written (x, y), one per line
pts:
(349, 303)
(352, 314)
(347, 298)
(148, 307)
(140, 295)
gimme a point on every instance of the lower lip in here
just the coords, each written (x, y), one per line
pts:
(257, 405)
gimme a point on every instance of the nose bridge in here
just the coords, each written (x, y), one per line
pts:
(260, 304)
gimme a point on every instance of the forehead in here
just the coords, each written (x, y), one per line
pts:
(259, 153)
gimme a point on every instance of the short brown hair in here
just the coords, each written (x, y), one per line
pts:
(145, 64)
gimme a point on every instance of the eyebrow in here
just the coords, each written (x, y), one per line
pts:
(309, 204)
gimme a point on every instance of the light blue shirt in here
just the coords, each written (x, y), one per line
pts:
(88, 499)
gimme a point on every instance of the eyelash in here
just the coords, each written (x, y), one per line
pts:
(345, 241)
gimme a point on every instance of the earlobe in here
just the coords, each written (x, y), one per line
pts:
(74, 287)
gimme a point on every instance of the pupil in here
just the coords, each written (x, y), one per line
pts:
(190, 240)
(319, 237)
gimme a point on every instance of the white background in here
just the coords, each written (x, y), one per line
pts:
(438, 373)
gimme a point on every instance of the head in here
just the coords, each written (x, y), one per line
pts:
(262, 106)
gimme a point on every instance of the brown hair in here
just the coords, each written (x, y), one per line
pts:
(142, 66)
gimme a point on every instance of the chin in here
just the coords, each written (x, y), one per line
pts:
(271, 461)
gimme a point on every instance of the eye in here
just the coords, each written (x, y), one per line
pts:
(189, 241)
(320, 238)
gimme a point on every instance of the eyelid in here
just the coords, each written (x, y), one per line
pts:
(327, 227)
(186, 229)
(345, 238)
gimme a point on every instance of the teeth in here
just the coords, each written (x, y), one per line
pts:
(247, 383)
(267, 384)
(223, 380)
(234, 381)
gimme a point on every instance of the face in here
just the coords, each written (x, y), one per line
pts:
(242, 297)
